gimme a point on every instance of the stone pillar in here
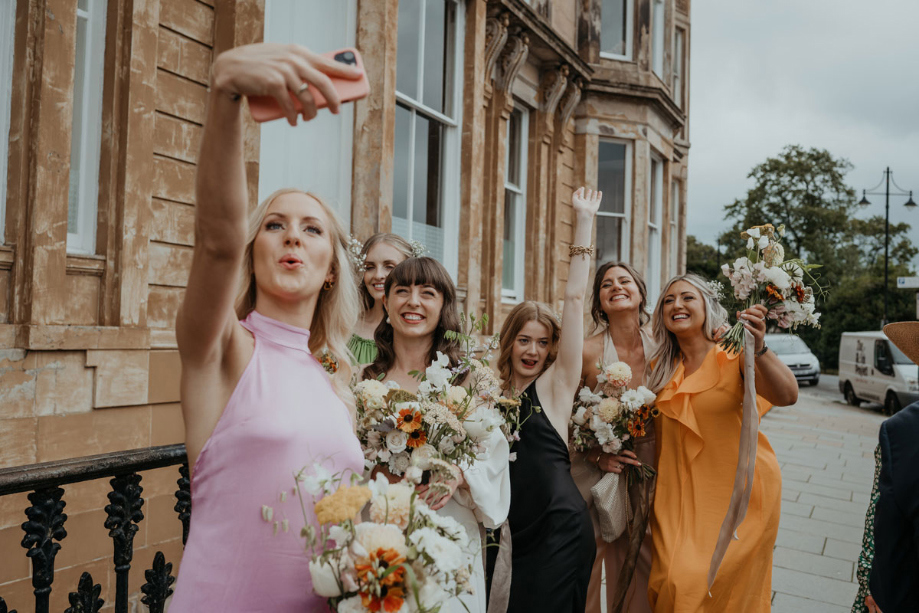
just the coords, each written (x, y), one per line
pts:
(542, 218)
(638, 235)
(496, 115)
(483, 37)
(375, 119)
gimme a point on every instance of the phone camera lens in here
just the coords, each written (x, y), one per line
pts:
(346, 57)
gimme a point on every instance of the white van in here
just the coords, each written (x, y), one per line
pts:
(872, 368)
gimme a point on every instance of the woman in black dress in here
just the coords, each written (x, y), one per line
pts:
(552, 535)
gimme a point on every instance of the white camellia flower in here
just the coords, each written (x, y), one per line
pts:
(396, 440)
(778, 278)
(325, 579)
(647, 396)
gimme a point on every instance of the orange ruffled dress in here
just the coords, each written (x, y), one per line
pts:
(698, 434)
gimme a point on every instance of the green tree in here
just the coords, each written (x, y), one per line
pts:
(702, 259)
(805, 189)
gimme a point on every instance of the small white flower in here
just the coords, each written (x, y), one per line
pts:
(580, 416)
(750, 243)
(763, 242)
(340, 535)
(325, 579)
(754, 232)
(446, 446)
(512, 457)
(414, 474)
(647, 396)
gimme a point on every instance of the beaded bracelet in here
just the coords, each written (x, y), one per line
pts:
(574, 250)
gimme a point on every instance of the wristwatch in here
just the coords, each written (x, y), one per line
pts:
(761, 351)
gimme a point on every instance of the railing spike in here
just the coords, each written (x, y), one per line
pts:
(183, 504)
(124, 513)
(3, 607)
(157, 588)
(44, 526)
(86, 598)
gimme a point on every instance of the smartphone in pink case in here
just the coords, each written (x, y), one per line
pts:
(266, 108)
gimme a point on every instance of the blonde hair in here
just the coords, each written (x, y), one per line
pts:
(393, 240)
(668, 353)
(521, 314)
(336, 308)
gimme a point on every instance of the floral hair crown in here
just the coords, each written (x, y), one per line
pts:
(356, 252)
(355, 255)
(418, 249)
(717, 288)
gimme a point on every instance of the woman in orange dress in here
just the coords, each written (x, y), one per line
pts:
(700, 396)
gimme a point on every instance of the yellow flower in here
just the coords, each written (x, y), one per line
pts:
(343, 505)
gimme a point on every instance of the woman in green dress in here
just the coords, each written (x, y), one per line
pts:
(380, 254)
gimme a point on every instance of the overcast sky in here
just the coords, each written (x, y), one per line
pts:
(834, 74)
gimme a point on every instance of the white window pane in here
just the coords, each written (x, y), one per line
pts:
(428, 149)
(438, 63)
(408, 60)
(657, 41)
(316, 155)
(509, 267)
(613, 22)
(611, 177)
(86, 128)
(402, 162)
(76, 135)
(609, 238)
(7, 36)
(513, 149)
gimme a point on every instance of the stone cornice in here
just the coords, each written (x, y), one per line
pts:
(545, 43)
(656, 96)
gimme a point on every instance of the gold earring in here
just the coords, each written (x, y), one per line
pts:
(328, 285)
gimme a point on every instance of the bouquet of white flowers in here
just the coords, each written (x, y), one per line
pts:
(407, 558)
(404, 431)
(614, 416)
(766, 277)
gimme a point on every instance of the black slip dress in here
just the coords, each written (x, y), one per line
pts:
(553, 537)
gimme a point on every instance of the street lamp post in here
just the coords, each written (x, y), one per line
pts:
(887, 180)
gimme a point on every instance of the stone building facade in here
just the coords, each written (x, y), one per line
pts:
(483, 117)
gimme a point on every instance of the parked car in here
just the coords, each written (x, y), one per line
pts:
(795, 354)
(872, 368)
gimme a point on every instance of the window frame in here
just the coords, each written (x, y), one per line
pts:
(516, 294)
(625, 243)
(678, 70)
(629, 27)
(657, 37)
(675, 189)
(7, 50)
(83, 241)
(655, 243)
(451, 153)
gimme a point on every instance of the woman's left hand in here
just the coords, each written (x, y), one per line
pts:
(586, 202)
(754, 320)
(435, 499)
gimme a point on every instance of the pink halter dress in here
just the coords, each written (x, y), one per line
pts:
(282, 416)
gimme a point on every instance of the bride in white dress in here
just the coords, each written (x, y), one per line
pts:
(420, 302)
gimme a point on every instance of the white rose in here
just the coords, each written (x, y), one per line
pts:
(325, 579)
(396, 440)
(580, 416)
(421, 457)
(413, 474)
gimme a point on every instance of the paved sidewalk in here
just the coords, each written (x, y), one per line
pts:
(826, 451)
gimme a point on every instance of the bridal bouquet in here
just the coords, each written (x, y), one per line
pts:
(613, 417)
(407, 558)
(766, 277)
(404, 431)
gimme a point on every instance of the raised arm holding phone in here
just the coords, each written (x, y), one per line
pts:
(266, 291)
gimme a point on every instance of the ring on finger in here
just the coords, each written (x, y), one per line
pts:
(303, 87)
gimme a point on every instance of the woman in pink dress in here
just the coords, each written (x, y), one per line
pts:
(257, 404)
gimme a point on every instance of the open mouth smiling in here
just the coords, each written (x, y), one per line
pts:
(412, 318)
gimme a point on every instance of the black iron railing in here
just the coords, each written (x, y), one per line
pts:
(44, 528)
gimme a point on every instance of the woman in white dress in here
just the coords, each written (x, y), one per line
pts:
(619, 311)
(420, 301)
